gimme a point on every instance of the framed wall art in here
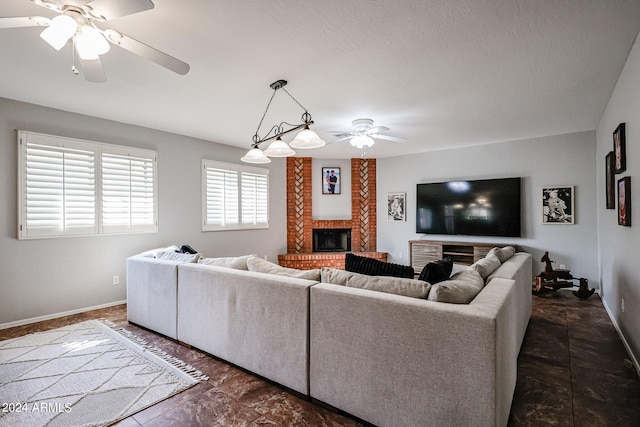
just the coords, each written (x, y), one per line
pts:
(331, 180)
(610, 190)
(619, 149)
(624, 201)
(396, 207)
(558, 205)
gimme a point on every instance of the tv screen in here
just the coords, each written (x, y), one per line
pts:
(489, 207)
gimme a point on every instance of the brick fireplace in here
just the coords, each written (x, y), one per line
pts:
(300, 223)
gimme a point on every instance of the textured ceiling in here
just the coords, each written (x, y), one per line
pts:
(441, 73)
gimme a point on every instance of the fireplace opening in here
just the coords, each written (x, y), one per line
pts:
(332, 240)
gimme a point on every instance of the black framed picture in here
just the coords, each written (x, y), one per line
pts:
(610, 190)
(558, 205)
(331, 180)
(619, 149)
(624, 201)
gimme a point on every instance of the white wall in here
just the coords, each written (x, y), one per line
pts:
(48, 276)
(331, 206)
(619, 260)
(555, 160)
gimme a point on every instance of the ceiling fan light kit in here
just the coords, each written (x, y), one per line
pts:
(361, 141)
(305, 139)
(76, 24)
(60, 30)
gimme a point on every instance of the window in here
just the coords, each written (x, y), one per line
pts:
(234, 196)
(70, 187)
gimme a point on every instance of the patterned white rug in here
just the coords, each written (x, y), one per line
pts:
(87, 374)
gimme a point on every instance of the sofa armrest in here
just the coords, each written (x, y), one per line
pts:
(258, 321)
(399, 361)
(152, 294)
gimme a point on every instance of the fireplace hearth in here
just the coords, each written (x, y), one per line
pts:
(332, 240)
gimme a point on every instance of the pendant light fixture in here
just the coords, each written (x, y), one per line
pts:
(305, 139)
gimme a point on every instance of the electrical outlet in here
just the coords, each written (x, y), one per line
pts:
(562, 267)
(265, 257)
(116, 280)
(400, 255)
(622, 304)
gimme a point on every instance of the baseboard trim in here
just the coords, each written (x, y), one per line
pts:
(634, 359)
(57, 315)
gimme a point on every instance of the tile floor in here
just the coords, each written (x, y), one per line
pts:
(571, 372)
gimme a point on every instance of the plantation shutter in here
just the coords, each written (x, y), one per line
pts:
(222, 197)
(234, 197)
(58, 188)
(254, 198)
(128, 193)
(74, 187)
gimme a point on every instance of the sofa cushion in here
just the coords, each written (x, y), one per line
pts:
(486, 265)
(262, 266)
(373, 267)
(503, 254)
(437, 271)
(391, 285)
(335, 276)
(177, 256)
(461, 288)
(238, 262)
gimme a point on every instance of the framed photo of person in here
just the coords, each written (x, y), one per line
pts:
(624, 201)
(331, 180)
(610, 189)
(558, 205)
(396, 207)
(619, 149)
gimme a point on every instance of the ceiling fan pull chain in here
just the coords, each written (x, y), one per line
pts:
(74, 70)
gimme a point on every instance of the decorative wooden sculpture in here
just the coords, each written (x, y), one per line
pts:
(552, 280)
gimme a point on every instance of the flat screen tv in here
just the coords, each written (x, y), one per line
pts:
(489, 207)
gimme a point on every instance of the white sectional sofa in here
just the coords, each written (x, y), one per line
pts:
(391, 360)
(399, 361)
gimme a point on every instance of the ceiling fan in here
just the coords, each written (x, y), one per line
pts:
(76, 23)
(364, 134)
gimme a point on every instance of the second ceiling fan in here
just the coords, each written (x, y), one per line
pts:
(364, 134)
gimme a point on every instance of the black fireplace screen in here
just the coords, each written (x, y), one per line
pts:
(332, 240)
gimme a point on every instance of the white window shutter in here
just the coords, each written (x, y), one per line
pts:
(58, 189)
(234, 196)
(128, 193)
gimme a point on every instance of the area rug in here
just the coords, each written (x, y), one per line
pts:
(87, 374)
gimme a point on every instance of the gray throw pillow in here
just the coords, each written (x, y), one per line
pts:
(486, 265)
(462, 288)
(391, 285)
(236, 262)
(335, 276)
(177, 256)
(503, 254)
(262, 266)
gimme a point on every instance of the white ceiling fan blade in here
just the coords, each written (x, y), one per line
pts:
(24, 21)
(111, 9)
(388, 138)
(339, 134)
(93, 70)
(377, 130)
(342, 137)
(147, 52)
